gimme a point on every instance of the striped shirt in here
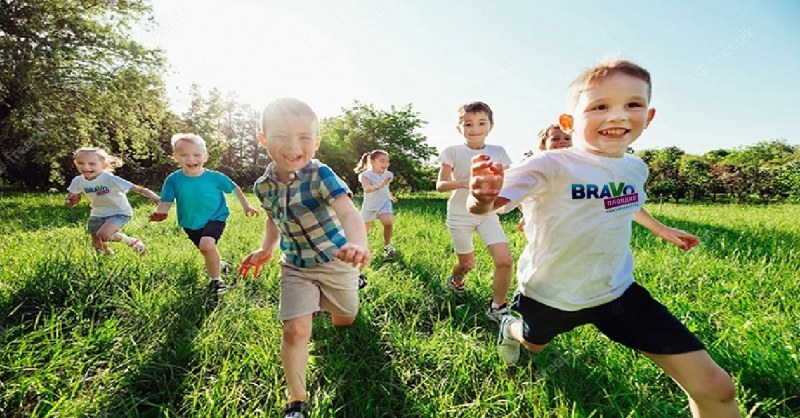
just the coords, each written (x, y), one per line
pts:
(302, 209)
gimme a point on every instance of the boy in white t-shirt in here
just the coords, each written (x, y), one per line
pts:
(577, 267)
(475, 121)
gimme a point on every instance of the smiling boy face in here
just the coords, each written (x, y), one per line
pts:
(610, 115)
(291, 141)
(190, 156)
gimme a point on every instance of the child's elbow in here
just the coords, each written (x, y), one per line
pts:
(440, 186)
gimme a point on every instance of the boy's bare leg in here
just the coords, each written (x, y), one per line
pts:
(294, 354)
(99, 244)
(515, 330)
(710, 389)
(503, 269)
(386, 220)
(343, 321)
(109, 232)
(208, 247)
(464, 264)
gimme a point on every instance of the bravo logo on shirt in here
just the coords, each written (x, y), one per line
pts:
(614, 195)
(99, 190)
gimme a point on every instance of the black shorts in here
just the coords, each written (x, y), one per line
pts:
(635, 320)
(212, 229)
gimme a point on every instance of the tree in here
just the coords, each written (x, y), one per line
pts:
(70, 76)
(695, 173)
(362, 128)
(664, 180)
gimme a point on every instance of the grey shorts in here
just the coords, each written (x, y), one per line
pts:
(95, 222)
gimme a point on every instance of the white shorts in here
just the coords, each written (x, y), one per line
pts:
(371, 215)
(462, 228)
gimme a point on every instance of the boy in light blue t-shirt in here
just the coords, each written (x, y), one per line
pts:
(200, 198)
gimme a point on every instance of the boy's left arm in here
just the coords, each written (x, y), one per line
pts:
(355, 251)
(682, 239)
(144, 191)
(248, 210)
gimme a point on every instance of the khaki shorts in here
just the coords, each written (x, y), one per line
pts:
(331, 286)
(462, 228)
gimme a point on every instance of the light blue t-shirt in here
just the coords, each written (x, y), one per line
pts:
(198, 199)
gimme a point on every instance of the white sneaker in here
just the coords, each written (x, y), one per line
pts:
(138, 246)
(389, 251)
(497, 314)
(507, 346)
(457, 288)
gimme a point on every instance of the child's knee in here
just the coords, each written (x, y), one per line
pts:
(207, 245)
(504, 261)
(296, 331)
(717, 387)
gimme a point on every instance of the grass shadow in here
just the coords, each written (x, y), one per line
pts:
(356, 365)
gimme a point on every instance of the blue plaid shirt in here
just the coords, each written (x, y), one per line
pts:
(302, 210)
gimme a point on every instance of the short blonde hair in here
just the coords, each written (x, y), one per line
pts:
(281, 108)
(603, 70)
(110, 162)
(193, 138)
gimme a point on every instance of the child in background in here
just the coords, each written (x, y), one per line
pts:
(321, 235)
(106, 194)
(201, 207)
(577, 267)
(550, 138)
(475, 121)
(377, 197)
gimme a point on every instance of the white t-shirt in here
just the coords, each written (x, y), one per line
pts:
(460, 158)
(106, 194)
(578, 209)
(376, 199)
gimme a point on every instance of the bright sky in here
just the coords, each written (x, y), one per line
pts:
(725, 74)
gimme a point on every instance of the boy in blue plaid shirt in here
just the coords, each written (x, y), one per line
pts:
(321, 235)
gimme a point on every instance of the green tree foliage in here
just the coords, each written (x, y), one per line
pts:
(362, 128)
(665, 180)
(70, 76)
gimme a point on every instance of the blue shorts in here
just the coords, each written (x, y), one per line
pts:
(95, 222)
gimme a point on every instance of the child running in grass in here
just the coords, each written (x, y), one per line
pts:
(106, 194)
(375, 177)
(321, 235)
(201, 207)
(475, 122)
(577, 267)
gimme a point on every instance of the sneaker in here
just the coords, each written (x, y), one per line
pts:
(138, 246)
(457, 288)
(362, 281)
(224, 267)
(507, 346)
(497, 314)
(296, 409)
(217, 287)
(390, 252)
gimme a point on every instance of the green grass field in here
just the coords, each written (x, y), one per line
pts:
(87, 336)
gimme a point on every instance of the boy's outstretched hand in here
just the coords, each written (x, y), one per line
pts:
(684, 240)
(485, 182)
(254, 260)
(354, 254)
(250, 211)
(157, 217)
(72, 199)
